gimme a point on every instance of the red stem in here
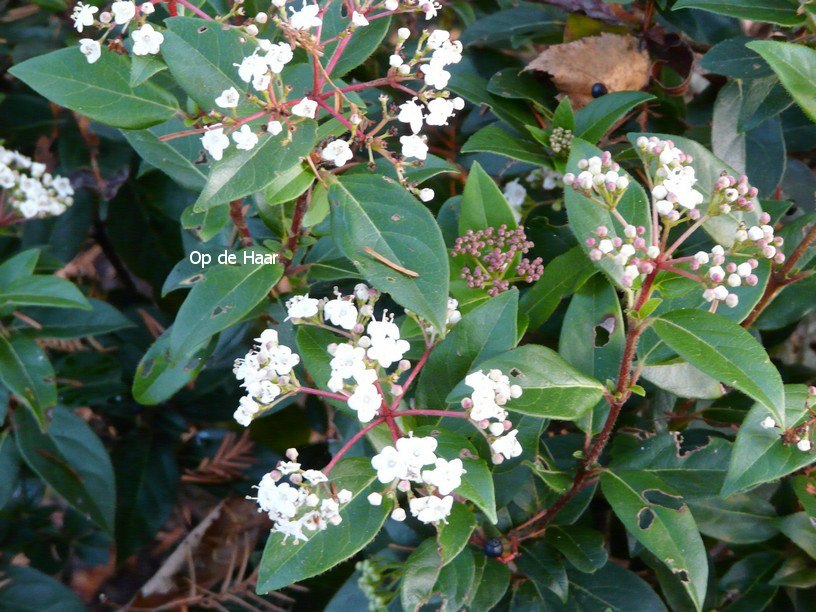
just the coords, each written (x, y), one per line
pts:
(439, 413)
(335, 114)
(351, 443)
(310, 391)
(193, 8)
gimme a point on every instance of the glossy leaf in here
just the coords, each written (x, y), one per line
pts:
(101, 91)
(26, 372)
(781, 12)
(740, 519)
(726, 351)
(42, 290)
(593, 121)
(370, 212)
(552, 388)
(541, 564)
(454, 535)
(27, 588)
(583, 547)
(483, 204)
(795, 65)
(493, 139)
(419, 575)
(733, 58)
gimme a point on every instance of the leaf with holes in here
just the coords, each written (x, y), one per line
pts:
(660, 520)
(374, 221)
(552, 388)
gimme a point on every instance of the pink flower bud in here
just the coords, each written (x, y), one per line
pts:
(498, 458)
(646, 267)
(694, 265)
(595, 255)
(694, 214)
(467, 403)
(638, 243)
(617, 242)
(483, 424)
(731, 267)
(779, 257)
(602, 231)
(764, 218)
(590, 242)
(749, 206)
(753, 263)
(752, 192)
(752, 280)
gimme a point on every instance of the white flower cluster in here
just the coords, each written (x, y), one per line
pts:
(546, 178)
(599, 176)
(761, 240)
(29, 190)
(403, 464)
(673, 191)
(266, 372)
(630, 252)
(491, 392)
(146, 39)
(305, 502)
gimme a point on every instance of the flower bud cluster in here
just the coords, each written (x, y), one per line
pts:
(29, 190)
(732, 194)
(372, 583)
(266, 372)
(296, 499)
(761, 240)
(631, 252)
(719, 277)
(485, 407)
(404, 463)
(495, 251)
(561, 141)
(600, 177)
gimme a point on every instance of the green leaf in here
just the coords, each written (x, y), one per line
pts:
(708, 168)
(311, 345)
(161, 372)
(593, 121)
(453, 536)
(795, 65)
(71, 459)
(201, 55)
(26, 588)
(364, 41)
(582, 547)
(284, 564)
(177, 158)
(585, 215)
(492, 587)
(143, 67)
(780, 12)
(288, 185)
(485, 331)
(683, 380)
(541, 564)
(750, 578)
(371, 212)
(695, 471)
(805, 488)
(759, 454)
(483, 204)
(725, 351)
(419, 575)
(740, 519)
(224, 297)
(553, 389)
(563, 116)
(19, 266)
(205, 225)
(561, 277)
(456, 580)
(795, 572)
(659, 519)
(42, 290)
(9, 467)
(102, 318)
(473, 88)
(493, 139)
(593, 338)
(241, 173)
(503, 25)
(26, 372)
(100, 91)
(510, 83)
(733, 58)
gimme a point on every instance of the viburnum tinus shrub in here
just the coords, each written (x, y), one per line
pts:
(393, 304)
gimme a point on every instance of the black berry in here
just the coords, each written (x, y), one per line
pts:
(493, 547)
(598, 90)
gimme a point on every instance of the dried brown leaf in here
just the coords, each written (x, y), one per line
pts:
(611, 59)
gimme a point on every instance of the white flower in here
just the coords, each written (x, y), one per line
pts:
(417, 452)
(430, 9)
(261, 82)
(306, 18)
(91, 49)
(341, 313)
(293, 529)
(387, 351)
(426, 194)
(252, 67)
(338, 152)
(147, 8)
(245, 139)
(305, 108)
(680, 182)
(146, 40)
(347, 361)
(403, 33)
(398, 515)
(375, 499)
(83, 16)
(803, 445)
(279, 500)
(507, 445)
(768, 423)
(314, 476)
(449, 52)
(453, 315)
(365, 401)
(274, 127)
(277, 56)
(414, 146)
(440, 110)
(344, 496)
(279, 3)
(515, 193)
(282, 359)
(246, 411)
(411, 113)
(395, 61)
(431, 509)
(229, 98)
(435, 75)
(215, 141)
(437, 38)
(301, 307)
(389, 465)
(385, 328)
(265, 390)
(391, 5)
(123, 11)
(358, 19)
(447, 475)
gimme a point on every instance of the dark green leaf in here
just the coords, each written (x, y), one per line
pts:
(41, 290)
(583, 548)
(503, 25)
(795, 65)
(781, 12)
(26, 372)
(801, 529)
(740, 519)
(593, 121)
(453, 536)
(492, 587)
(732, 58)
(493, 139)
(26, 588)
(541, 564)
(143, 67)
(419, 575)
(750, 577)
(483, 204)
